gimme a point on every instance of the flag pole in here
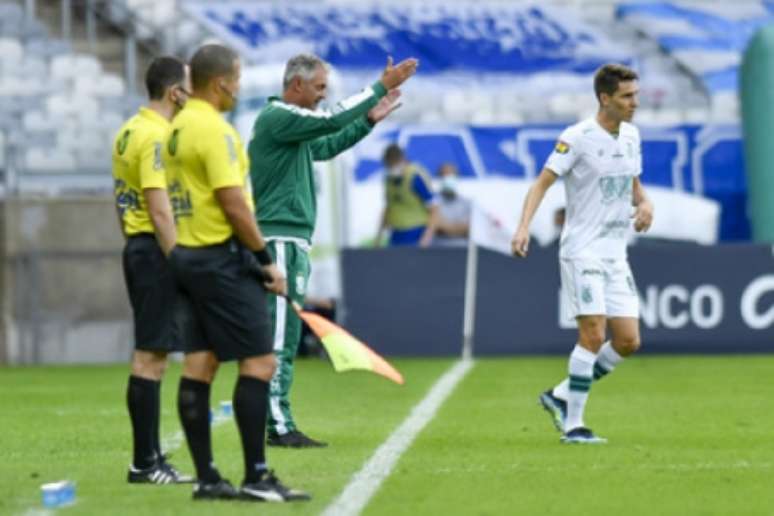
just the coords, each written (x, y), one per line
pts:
(471, 283)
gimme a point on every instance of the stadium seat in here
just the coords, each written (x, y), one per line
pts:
(47, 48)
(71, 66)
(11, 51)
(112, 86)
(87, 140)
(11, 19)
(94, 160)
(31, 67)
(64, 104)
(38, 121)
(11, 13)
(10, 86)
(104, 120)
(38, 159)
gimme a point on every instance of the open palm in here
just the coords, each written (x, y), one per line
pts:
(386, 105)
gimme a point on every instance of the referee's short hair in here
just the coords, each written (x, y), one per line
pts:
(211, 61)
(609, 76)
(163, 72)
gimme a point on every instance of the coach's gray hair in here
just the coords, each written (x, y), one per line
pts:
(302, 65)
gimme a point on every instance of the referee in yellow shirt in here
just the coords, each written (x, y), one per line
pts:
(146, 221)
(219, 256)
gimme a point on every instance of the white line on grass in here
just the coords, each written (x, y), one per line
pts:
(366, 482)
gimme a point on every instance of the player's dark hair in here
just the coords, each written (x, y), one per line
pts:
(393, 155)
(163, 72)
(609, 76)
(211, 61)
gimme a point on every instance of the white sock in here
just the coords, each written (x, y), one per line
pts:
(607, 359)
(562, 390)
(581, 370)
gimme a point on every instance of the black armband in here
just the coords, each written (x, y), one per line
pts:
(263, 257)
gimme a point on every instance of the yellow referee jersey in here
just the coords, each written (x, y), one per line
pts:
(203, 153)
(137, 165)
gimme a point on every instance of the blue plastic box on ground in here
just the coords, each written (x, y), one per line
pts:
(57, 494)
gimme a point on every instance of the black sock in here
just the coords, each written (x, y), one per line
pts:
(251, 396)
(193, 405)
(142, 404)
(157, 420)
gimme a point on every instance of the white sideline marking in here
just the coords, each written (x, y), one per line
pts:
(365, 483)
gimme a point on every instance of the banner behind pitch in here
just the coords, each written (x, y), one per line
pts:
(698, 299)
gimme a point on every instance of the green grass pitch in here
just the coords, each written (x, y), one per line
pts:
(688, 436)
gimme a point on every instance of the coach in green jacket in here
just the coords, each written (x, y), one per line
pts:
(288, 136)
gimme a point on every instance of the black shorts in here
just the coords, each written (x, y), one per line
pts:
(153, 295)
(228, 300)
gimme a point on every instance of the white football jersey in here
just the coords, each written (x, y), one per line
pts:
(598, 170)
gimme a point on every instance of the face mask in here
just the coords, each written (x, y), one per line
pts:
(394, 171)
(449, 183)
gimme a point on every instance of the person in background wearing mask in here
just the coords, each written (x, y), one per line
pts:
(454, 210)
(411, 207)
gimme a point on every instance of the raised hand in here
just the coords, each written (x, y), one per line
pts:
(394, 76)
(386, 105)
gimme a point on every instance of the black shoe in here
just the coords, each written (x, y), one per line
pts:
(179, 478)
(294, 439)
(156, 474)
(557, 408)
(582, 435)
(269, 489)
(220, 490)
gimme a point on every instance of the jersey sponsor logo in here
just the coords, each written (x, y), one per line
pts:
(126, 198)
(232, 154)
(123, 142)
(614, 188)
(158, 163)
(562, 147)
(180, 199)
(172, 143)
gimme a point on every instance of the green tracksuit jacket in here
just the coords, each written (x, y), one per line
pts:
(286, 140)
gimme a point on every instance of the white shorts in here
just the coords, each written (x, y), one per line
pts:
(599, 287)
